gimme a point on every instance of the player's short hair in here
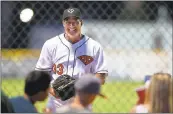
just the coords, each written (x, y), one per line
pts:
(37, 81)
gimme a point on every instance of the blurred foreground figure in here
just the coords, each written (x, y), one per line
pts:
(36, 89)
(159, 95)
(87, 88)
(6, 106)
(141, 90)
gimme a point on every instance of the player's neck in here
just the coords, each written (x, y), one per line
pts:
(79, 104)
(29, 98)
(73, 40)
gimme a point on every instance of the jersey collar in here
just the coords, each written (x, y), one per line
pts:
(69, 44)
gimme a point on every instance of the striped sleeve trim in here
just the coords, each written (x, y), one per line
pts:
(43, 69)
(102, 71)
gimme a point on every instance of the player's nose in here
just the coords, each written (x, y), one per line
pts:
(72, 25)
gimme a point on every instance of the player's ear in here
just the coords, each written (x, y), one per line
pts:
(63, 22)
(81, 22)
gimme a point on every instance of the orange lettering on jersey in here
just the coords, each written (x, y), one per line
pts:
(60, 68)
(54, 68)
(85, 59)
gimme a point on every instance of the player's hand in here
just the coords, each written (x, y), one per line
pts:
(47, 111)
(52, 92)
(102, 77)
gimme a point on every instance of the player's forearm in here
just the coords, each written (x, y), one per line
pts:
(102, 77)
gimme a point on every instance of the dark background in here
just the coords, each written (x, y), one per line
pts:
(15, 33)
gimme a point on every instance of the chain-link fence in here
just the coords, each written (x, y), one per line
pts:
(136, 36)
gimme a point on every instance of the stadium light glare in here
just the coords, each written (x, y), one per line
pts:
(26, 15)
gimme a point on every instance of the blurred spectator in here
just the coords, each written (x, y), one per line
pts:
(6, 106)
(36, 89)
(141, 90)
(141, 93)
(87, 88)
(132, 10)
(159, 95)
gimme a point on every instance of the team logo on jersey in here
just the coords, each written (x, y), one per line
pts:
(85, 59)
(58, 69)
(70, 10)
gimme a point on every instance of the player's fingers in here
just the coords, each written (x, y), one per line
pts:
(47, 111)
(52, 92)
(101, 79)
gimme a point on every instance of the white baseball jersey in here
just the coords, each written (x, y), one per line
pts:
(59, 56)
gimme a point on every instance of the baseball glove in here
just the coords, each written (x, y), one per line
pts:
(64, 87)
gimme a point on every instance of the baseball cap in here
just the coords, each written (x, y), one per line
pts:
(72, 12)
(146, 78)
(89, 84)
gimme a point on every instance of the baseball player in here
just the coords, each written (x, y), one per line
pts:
(71, 53)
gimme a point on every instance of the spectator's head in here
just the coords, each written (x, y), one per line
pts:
(87, 88)
(37, 84)
(159, 95)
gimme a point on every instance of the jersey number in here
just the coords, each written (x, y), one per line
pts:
(58, 69)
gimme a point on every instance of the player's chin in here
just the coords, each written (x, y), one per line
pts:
(74, 34)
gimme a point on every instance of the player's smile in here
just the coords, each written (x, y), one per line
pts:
(72, 31)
